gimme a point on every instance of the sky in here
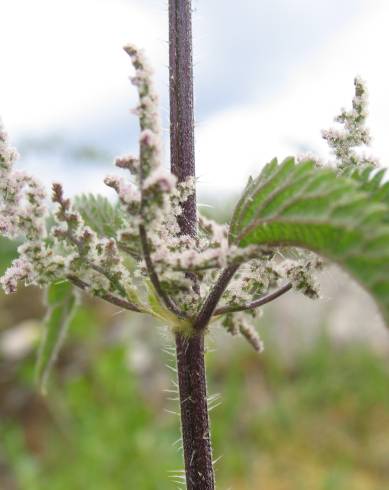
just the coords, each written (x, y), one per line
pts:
(269, 75)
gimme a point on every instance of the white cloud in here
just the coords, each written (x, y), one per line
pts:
(234, 143)
(61, 57)
(62, 64)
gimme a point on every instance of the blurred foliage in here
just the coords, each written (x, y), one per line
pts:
(61, 303)
(321, 423)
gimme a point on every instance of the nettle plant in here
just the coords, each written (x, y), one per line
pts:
(154, 253)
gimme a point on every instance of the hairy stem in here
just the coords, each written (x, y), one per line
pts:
(194, 413)
(190, 351)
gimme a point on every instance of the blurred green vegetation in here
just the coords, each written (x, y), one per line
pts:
(319, 421)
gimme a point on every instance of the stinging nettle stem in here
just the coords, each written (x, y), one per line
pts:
(190, 351)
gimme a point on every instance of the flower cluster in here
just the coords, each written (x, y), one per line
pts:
(344, 142)
(240, 323)
(22, 208)
(301, 275)
(145, 264)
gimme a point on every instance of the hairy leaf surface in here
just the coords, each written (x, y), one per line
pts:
(343, 218)
(98, 213)
(371, 180)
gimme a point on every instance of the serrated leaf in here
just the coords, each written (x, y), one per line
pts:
(340, 217)
(370, 180)
(265, 175)
(100, 214)
(61, 302)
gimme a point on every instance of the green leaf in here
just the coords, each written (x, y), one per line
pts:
(8, 252)
(61, 302)
(100, 215)
(370, 181)
(341, 217)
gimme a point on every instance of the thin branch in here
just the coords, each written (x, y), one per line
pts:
(200, 268)
(111, 298)
(92, 265)
(149, 158)
(134, 254)
(214, 296)
(154, 276)
(254, 304)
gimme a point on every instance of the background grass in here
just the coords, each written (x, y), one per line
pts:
(318, 423)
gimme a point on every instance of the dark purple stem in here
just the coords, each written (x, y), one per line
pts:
(213, 298)
(190, 351)
(111, 298)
